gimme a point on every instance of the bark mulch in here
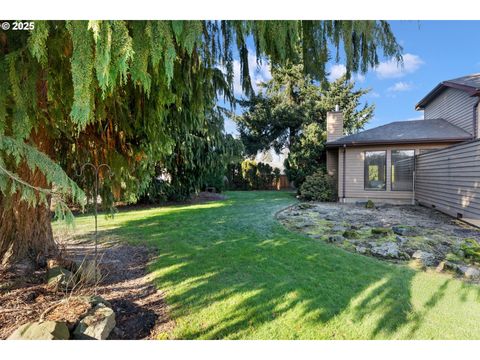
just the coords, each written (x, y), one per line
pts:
(140, 309)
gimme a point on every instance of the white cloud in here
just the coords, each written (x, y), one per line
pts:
(258, 74)
(400, 86)
(336, 71)
(392, 69)
(373, 94)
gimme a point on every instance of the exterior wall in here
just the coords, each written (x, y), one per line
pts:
(449, 180)
(332, 163)
(455, 106)
(354, 170)
(334, 125)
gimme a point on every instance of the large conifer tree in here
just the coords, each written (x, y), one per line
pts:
(105, 91)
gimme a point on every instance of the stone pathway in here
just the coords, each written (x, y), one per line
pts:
(422, 236)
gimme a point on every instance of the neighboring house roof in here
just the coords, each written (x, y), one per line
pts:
(407, 132)
(470, 84)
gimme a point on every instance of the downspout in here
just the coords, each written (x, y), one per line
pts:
(476, 135)
(344, 175)
(414, 177)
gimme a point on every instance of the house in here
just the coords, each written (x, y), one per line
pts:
(434, 161)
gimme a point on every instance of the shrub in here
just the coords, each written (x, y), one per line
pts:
(382, 231)
(369, 204)
(319, 187)
(471, 248)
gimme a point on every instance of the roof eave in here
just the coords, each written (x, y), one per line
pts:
(393, 142)
(440, 87)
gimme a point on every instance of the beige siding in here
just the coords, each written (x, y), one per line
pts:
(455, 106)
(449, 180)
(354, 170)
(332, 162)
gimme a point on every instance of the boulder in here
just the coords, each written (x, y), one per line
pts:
(60, 278)
(469, 272)
(98, 324)
(424, 258)
(46, 330)
(361, 249)
(336, 239)
(405, 230)
(339, 228)
(388, 250)
(401, 240)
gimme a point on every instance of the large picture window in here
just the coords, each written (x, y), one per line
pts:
(402, 170)
(375, 170)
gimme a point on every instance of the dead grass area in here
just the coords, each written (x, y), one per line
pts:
(140, 309)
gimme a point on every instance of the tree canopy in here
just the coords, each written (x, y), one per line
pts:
(121, 92)
(291, 113)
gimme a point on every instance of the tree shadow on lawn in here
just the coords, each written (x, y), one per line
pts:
(232, 271)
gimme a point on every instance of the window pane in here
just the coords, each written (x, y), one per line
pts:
(402, 170)
(375, 170)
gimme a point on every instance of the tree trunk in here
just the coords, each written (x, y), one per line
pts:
(25, 230)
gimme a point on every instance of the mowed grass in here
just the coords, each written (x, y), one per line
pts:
(229, 270)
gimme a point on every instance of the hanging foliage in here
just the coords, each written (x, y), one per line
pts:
(125, 92)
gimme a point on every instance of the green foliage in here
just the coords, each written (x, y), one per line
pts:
(135, 93)
(82, 63)
(250, 175)
(471, 249)
(318, 187)
(292, 111)
(370, 204)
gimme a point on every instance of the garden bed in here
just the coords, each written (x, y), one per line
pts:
(419, 235)
(139, 308)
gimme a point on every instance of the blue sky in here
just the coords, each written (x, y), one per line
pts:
(433, 51)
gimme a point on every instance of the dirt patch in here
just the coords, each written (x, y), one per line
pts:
(140, 309)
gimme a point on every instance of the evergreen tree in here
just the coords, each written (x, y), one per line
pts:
(119, 92)
(291, 113)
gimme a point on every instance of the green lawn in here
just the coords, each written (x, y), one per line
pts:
(229, 270)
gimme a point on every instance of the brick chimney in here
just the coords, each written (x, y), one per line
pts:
(334, 124)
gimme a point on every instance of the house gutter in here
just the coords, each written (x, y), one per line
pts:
(393, 142)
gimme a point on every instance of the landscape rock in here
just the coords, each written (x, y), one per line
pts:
(424, 258)
(336, 238)
(46, 330)
(388, 250)
(405, 230)
(401, 240)
(60, 278)
(361, 249)
(339, 228)
(98, 324)
(469, 272)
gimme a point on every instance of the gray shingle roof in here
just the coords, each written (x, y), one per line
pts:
(469, 83)
(472, 80)
(411, 132)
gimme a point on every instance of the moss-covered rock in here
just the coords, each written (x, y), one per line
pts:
(351, 234)
(380, 232)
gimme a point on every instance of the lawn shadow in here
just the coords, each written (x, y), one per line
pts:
(241, 272)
